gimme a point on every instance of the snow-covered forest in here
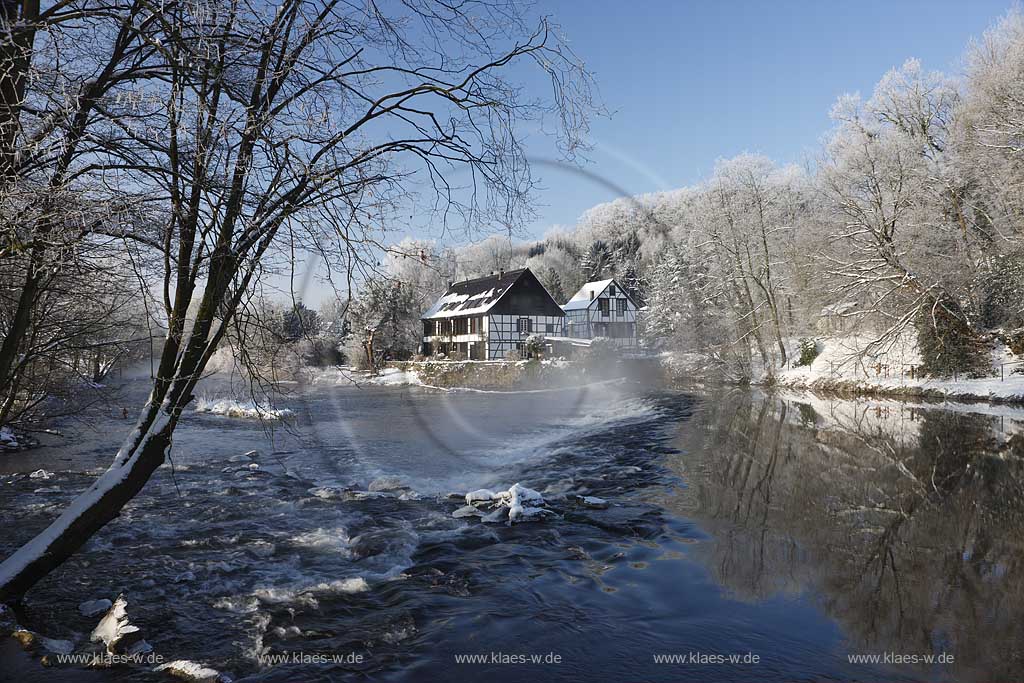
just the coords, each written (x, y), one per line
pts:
(905, 226)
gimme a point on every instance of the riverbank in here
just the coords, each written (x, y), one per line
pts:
(848, 367)
(992, 389)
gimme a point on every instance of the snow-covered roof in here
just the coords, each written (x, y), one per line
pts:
(473, 297)
(586, 295)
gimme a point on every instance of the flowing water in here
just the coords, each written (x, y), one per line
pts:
(790, 533)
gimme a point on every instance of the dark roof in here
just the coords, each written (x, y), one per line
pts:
(473, 296)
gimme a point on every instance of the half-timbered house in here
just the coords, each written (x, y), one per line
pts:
(489, 317)
(602, 309)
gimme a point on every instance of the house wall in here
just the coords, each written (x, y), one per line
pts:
(472, 345)
(589, 322)
(504, 336)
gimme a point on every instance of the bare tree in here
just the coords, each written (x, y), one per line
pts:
(305, 120)
(64, 68)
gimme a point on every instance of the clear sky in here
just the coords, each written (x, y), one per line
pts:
(689, 82)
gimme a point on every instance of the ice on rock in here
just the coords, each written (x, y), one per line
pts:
(498, 516)
(517, 504)
(191, 671)
(593, 502)
(479, 495)
(60, 647)
(91, 608)
(467, 511)
(114, 625)
(40, 474)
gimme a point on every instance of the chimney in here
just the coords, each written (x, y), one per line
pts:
(450, 283)
(501, 273)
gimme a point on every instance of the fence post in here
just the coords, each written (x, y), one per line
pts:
(1001, 377)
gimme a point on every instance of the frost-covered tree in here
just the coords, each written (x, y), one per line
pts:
(305, 127)
(893, 245)
(597, 262)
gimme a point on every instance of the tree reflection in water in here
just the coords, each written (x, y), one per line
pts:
(903, 521)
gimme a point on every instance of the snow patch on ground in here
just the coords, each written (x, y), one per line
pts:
(847, 364)
(230, 407)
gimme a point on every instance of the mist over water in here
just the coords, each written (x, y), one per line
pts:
(783, 527)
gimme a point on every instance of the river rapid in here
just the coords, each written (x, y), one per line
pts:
(746, 537)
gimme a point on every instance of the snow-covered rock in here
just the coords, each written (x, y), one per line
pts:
(479, 495)
(593, 502)
(40, 474)
(91, 608)
(524, 504)
(114, 626)
(467, 511)
(517, 504)
(187, 670)
(497, 516)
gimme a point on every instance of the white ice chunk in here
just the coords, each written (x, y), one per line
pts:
(189, 671)
(91, 608)
(114, 624)
(479, 494)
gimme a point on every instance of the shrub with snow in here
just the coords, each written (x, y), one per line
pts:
(808, 352)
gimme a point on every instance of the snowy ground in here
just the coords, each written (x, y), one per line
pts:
(843, 366)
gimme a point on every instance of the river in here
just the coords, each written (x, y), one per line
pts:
(747, 537)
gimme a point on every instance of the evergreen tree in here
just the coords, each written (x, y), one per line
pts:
(947, 345)
(597, 262)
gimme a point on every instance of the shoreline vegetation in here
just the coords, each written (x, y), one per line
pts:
(836, 371)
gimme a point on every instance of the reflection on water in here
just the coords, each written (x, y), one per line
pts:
(793, 528)
(902, 521)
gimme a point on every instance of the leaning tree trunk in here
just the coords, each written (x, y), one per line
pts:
(140, 455)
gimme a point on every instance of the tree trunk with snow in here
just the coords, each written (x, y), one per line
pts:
(282, 105)
(142, 453)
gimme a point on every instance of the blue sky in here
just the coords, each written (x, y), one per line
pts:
(691, 82)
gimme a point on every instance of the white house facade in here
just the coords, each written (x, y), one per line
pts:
(487, 318)
(602, 309)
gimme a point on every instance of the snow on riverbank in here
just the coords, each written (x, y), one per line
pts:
(842, 365)
(346, 376)
(230, 407)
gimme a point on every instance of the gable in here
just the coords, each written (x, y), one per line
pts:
(582, 299)
(527, 296)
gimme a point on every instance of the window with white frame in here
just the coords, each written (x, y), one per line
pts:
(622, 306)
(525, 326)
